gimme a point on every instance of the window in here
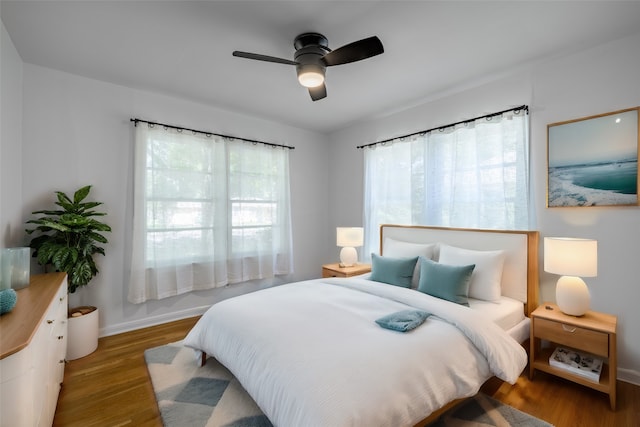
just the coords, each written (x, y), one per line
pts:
(472, 175)
(208, 212)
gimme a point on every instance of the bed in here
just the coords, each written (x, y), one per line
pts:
(312, 353)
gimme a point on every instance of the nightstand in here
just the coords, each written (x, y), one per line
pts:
(334, 270)
(593, 333)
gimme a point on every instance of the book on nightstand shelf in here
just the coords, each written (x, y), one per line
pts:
(576, 362)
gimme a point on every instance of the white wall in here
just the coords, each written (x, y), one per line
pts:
(77, 132)
(11, 226)
(598, 80)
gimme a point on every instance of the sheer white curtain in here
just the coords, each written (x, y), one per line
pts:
(473, 175)
(207, 212)
(260, 223)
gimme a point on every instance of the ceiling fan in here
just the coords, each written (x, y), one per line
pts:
(313, 56)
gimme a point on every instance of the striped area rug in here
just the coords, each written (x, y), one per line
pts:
(210, 396)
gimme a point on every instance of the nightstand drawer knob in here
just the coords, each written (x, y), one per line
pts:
(568, 328)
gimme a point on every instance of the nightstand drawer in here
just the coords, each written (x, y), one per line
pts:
(332, 273)
(573, 336)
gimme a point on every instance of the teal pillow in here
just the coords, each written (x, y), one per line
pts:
(394, 271)
(449, 282)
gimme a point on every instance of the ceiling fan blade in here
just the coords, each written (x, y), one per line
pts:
(318, 92)
(356, 51)
(263, 58)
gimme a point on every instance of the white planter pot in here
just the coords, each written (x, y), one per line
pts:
(82, 331)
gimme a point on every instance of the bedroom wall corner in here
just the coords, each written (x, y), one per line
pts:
(81, 134)
(346, 191)
(11, 220)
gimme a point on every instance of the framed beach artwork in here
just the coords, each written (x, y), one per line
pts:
(593, 161)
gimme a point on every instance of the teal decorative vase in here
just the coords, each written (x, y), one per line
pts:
(8, 299)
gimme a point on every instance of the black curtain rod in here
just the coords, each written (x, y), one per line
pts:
(440, 128)
(178, 128)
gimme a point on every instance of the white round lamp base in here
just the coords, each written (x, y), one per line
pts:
(572, 295)
(348, 257)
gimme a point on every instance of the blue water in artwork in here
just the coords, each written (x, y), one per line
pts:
(612, 183)
(621, 177)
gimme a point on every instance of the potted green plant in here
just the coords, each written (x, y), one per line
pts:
(67, 240)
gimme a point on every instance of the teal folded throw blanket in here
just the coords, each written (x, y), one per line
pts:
(403, 321)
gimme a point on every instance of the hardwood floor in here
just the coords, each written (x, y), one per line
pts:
(111, 387)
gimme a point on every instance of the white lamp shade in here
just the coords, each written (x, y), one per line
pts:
(349, 236)
(571, 257)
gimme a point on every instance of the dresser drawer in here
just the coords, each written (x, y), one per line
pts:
(594, 342)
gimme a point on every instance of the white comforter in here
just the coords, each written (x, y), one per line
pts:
(310, 353)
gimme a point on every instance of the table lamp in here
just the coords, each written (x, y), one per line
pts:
(348, 238)
(573, 259)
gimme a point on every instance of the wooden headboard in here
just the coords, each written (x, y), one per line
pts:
(520, 272)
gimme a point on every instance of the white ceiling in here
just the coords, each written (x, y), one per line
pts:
(183, 48)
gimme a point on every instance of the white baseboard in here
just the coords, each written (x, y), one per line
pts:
(152, 321)
(629, 376)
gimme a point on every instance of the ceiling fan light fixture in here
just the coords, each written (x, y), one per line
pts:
(310, 79)
(310, 75)
(313, 56)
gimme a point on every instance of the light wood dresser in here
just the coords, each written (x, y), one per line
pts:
(33, 345)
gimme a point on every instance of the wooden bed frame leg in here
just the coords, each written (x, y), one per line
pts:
(203, 359)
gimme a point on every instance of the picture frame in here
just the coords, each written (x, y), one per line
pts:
(593, 161)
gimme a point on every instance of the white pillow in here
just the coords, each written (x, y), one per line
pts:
(398, 249)
(487, 275)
